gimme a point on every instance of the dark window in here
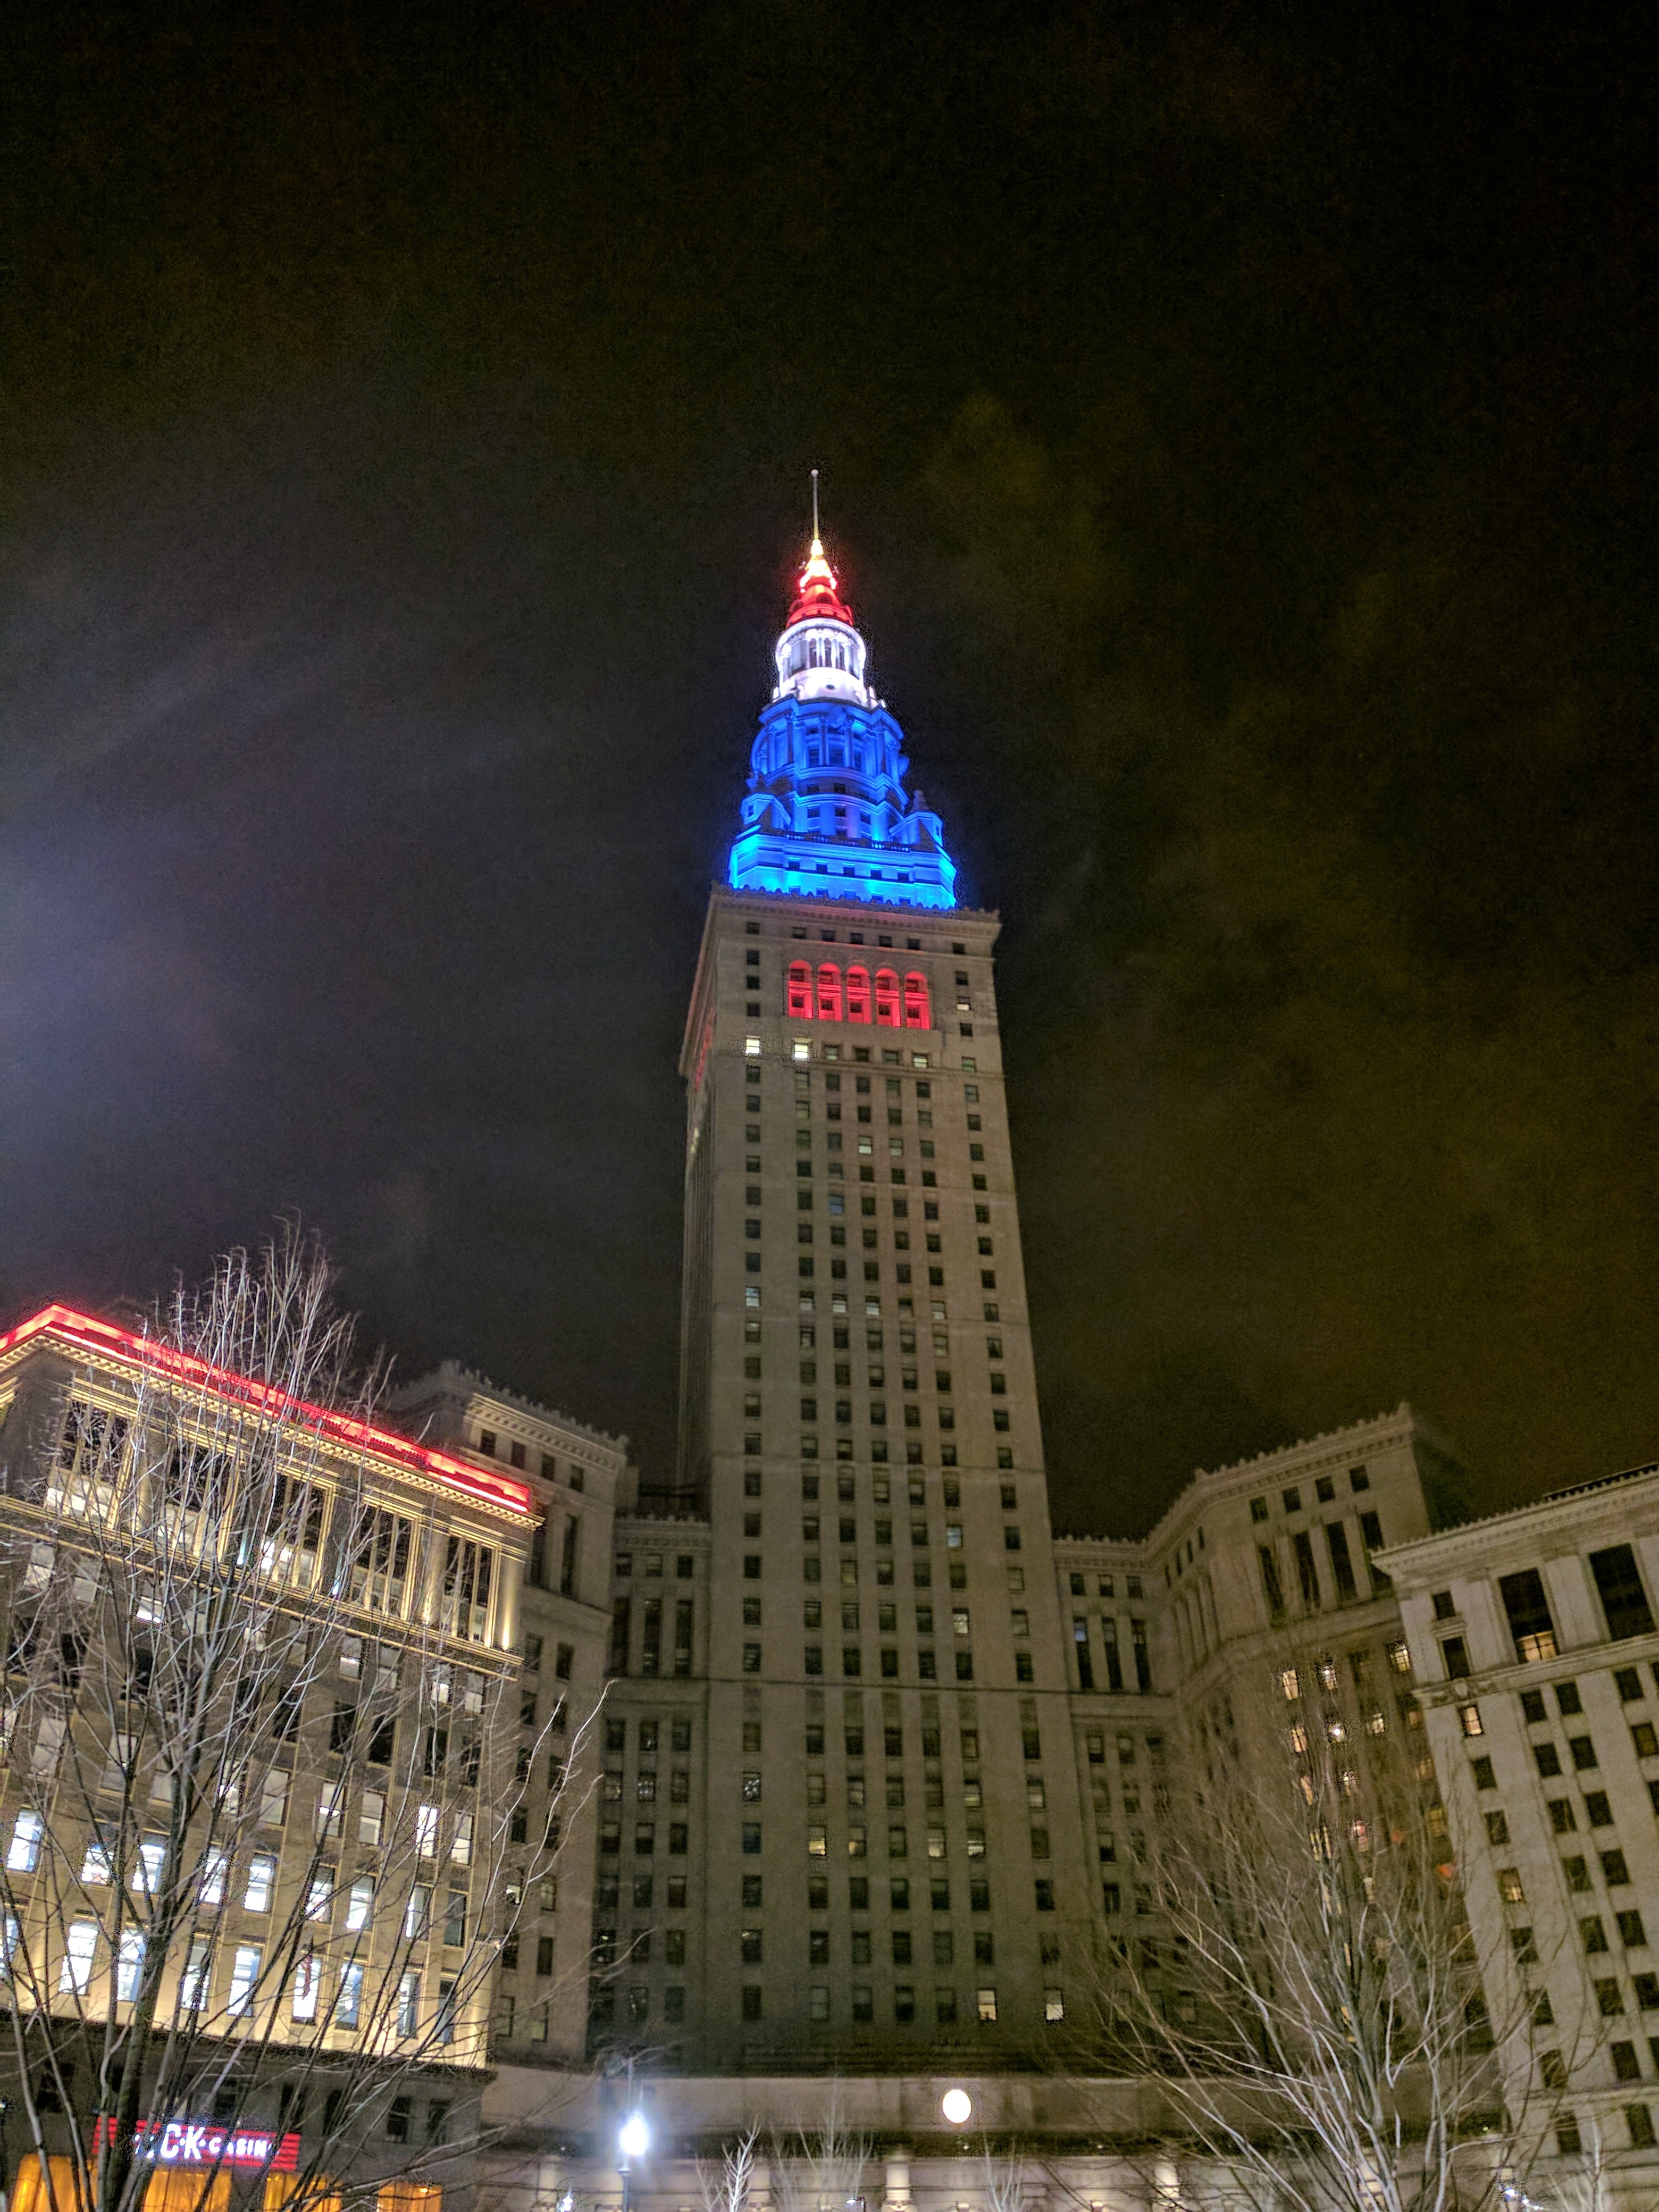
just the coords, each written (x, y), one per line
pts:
(1624, 1601)
(1306, 1572)
(1530, 1622)
(1371, 1536)
(1271, 1587)
(1341, 1564)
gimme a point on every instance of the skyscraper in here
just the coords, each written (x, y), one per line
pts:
(860, 1424)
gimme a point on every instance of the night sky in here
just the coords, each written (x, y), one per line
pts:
(1238, 434)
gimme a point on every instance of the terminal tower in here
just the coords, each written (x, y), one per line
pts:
(859, 1427)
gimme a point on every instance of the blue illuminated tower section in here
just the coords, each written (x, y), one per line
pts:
(882, 1847)
(826, 813)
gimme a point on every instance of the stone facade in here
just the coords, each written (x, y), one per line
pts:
(260, 1655)
(1533, 1638)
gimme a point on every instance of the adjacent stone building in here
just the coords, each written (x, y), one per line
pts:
(1534, 1641)
(261, 1673)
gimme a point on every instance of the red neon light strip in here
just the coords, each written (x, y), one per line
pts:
(96, 1335)
(206, 2143)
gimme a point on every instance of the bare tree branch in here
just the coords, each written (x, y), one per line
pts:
(1312, 2000)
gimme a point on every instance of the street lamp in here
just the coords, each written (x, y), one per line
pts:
(958, 2107)
(633, 2142)
(633, 2138)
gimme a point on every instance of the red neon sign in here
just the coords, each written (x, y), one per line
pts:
(205, 2142)
(95, 1335)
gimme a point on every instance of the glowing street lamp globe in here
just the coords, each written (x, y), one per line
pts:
(634, 2136)
(956, 2105)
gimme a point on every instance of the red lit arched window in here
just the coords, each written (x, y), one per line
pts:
(800, 992)
(858, 994)
(828, 992)
(917, 1015)
(887, 998)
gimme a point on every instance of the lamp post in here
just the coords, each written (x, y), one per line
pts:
(633, 2142)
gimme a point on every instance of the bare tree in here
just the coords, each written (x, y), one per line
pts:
(1312, 1999)
(262, 1773)
(820, 2169)
(725, 2187)
(1002, 2178)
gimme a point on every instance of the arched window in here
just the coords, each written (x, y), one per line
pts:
(800, 992)
(887, 998)
(858, 994)
(917, 1015)
(828, 992)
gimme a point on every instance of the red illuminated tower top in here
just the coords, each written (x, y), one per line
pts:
(817, 596)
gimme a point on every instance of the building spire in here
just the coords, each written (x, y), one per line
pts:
(826, 813)
(817, 591)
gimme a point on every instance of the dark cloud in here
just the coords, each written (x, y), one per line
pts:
(1240, 434)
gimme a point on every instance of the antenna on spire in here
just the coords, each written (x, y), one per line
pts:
(815, 506)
